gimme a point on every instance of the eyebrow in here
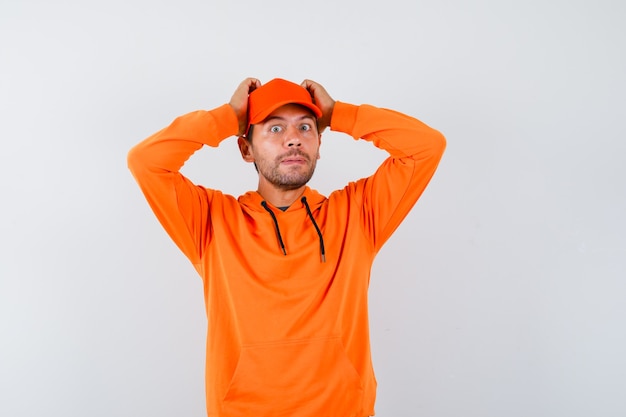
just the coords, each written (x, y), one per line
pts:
(305, 116)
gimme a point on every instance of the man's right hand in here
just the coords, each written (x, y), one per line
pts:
(239, 102)
(321, 99)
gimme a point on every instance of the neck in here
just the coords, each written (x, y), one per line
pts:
(278, 197)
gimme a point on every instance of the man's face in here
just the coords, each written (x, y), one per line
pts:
(285, 147)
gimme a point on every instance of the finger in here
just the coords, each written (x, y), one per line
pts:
(248, 85)
(309, 85)
(252, 84)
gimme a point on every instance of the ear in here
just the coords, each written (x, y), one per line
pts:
(319, 145)
(245, 148)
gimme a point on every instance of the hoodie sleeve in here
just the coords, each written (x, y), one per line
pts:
(415, 150)
(181, 206)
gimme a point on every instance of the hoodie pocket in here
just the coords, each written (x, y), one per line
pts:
(297, 378)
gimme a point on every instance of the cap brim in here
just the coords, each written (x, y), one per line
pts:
(259, 117)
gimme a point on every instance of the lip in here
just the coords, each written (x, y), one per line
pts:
(293, 162)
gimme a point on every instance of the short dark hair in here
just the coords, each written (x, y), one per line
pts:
(248, 135)
(248, 138)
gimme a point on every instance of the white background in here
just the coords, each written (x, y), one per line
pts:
(502, 294)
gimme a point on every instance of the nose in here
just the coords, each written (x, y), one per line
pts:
(293, 137)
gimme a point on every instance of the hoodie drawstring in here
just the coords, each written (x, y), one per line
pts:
(319, 232)
(280, 238)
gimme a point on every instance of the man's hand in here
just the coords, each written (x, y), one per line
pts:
(322, 100)
(239, 102)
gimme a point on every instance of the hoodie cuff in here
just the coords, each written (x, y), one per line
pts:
(344, 117)
(226, 123)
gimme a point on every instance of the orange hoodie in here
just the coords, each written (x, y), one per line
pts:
(288, 332)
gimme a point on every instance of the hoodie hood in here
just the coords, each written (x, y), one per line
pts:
(252, 201)
(308, 203)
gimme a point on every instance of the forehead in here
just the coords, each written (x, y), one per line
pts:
(291, 111)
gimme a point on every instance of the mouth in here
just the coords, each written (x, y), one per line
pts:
(294, 159)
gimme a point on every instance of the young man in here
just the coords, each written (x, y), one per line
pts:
(286, 269)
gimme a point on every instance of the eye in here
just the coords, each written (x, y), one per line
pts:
(275, 129)
(305, 128)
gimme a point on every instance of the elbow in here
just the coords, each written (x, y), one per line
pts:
(134, 158)
(440, 142)
(436, 145)
(131, 159)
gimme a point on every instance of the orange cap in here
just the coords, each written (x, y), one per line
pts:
(274, 94)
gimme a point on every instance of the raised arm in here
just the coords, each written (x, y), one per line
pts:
(181, 206)
(415, 151)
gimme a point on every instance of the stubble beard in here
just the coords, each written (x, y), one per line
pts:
(289, 178)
